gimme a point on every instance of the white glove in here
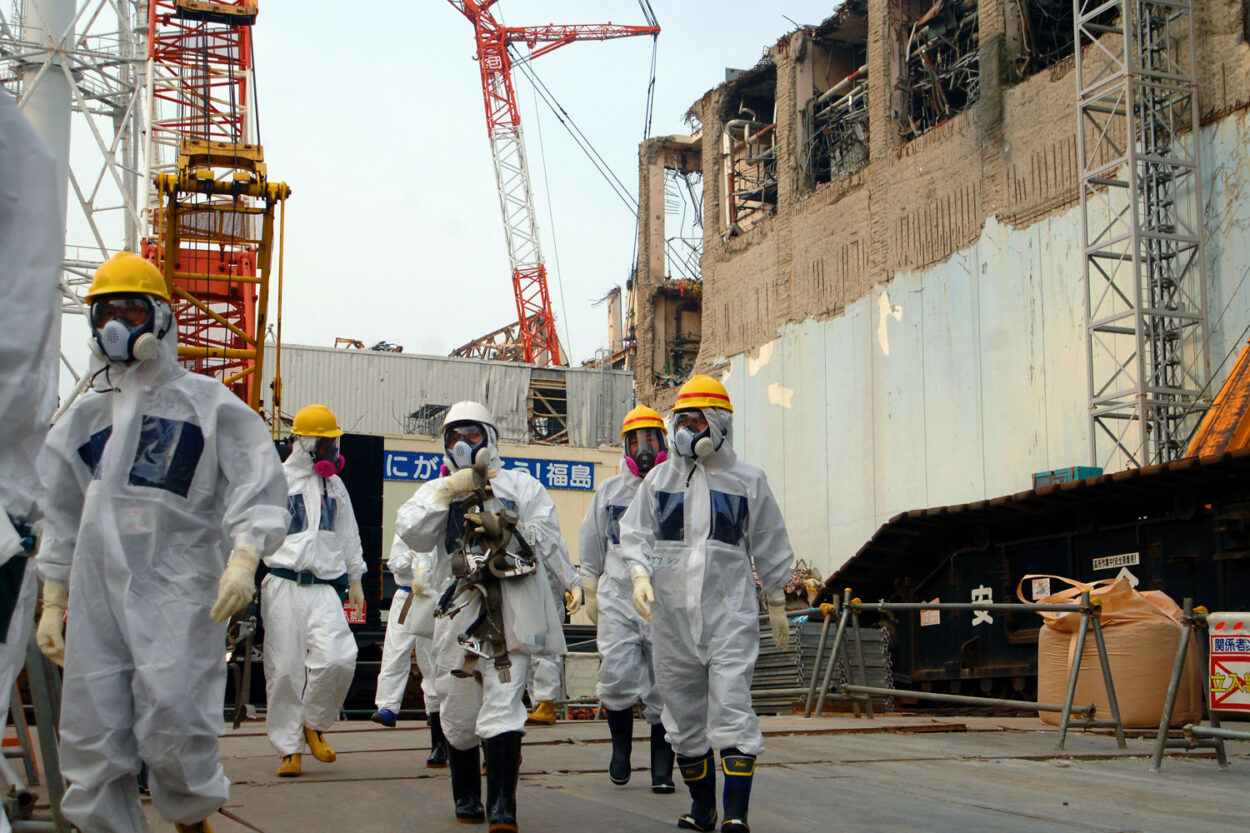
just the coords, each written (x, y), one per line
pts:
(456, 484)
(590, 589)
(643, 594)
(356, 596)
(777, 618)
(574, 597)
(237, 585)
(48, 634)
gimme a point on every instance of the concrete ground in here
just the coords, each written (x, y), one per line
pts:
(894, 773)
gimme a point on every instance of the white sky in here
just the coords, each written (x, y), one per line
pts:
(373, 114)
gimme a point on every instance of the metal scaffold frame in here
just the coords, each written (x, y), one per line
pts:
(81, 63)
(1141, 204)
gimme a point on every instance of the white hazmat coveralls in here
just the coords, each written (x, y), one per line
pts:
(151, 482)
(309, 651)
(397, 646)
(31, 248)
(624, 637)
(428, 578)
(697, 528)
(472, 712)
(545, 677)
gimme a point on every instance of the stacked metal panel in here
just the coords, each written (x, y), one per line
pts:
(779, 673)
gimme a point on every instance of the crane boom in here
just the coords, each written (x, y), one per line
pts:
(503, 123)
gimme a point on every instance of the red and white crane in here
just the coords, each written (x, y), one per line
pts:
(535, 321)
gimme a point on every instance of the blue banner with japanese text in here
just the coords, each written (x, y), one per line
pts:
(553, 474)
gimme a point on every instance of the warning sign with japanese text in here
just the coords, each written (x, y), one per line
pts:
(1230, 661)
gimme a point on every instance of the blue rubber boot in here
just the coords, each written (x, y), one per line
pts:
(621, 725)
(700, 777)
(739, 770)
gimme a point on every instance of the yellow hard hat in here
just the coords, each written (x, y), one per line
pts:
(315, 421)
(642, 417)
(128, 272)
(703, 392)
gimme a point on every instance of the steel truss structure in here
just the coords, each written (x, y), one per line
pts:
(163, 90)
(80, 64)
(212, 204)
(535, 320)
(1141, 205)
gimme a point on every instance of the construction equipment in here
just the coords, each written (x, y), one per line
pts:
(212, 209)
(539, 343)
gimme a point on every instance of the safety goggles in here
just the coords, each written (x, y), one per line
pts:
(471, 434)
(694, 420)
(134, 310)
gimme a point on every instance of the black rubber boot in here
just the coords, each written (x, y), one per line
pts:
(621, 725)
(503, 766)
(466, 784)
(739, 770)
(700, 777)
(438, 743)
(661, 762)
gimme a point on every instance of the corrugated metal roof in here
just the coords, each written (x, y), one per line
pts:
(373, 392)
(917, 541)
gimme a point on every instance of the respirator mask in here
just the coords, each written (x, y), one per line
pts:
(327, 461)
(128, 328)
(693, 437)
(644, 450)
(463, 441)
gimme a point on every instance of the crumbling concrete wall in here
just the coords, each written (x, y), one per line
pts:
(1012, 154)
(912, 334)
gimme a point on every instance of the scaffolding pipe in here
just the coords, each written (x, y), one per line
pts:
(1196, 731)
(966, 700)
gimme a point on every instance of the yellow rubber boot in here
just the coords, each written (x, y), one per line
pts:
(291, 766)
(320, 749)
(545, 714)
(198, 827)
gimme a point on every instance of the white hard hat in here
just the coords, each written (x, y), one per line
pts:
(469, 412)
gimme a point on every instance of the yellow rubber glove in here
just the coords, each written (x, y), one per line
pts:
(49, 635)
(643, 594)
(456, 484)
(777, 618)
(591, 589)
(356, 596)
(574, 598)
(237, 585)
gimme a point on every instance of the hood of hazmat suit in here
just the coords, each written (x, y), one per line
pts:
(697, 527)
(153, 476)
(323, 537)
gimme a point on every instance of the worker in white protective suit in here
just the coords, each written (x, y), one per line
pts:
(309, 650)
(690, 538)
(488, 711)
(31, 248)
(411, 570)
(624, 637)
(154, 475)
(546, 677)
